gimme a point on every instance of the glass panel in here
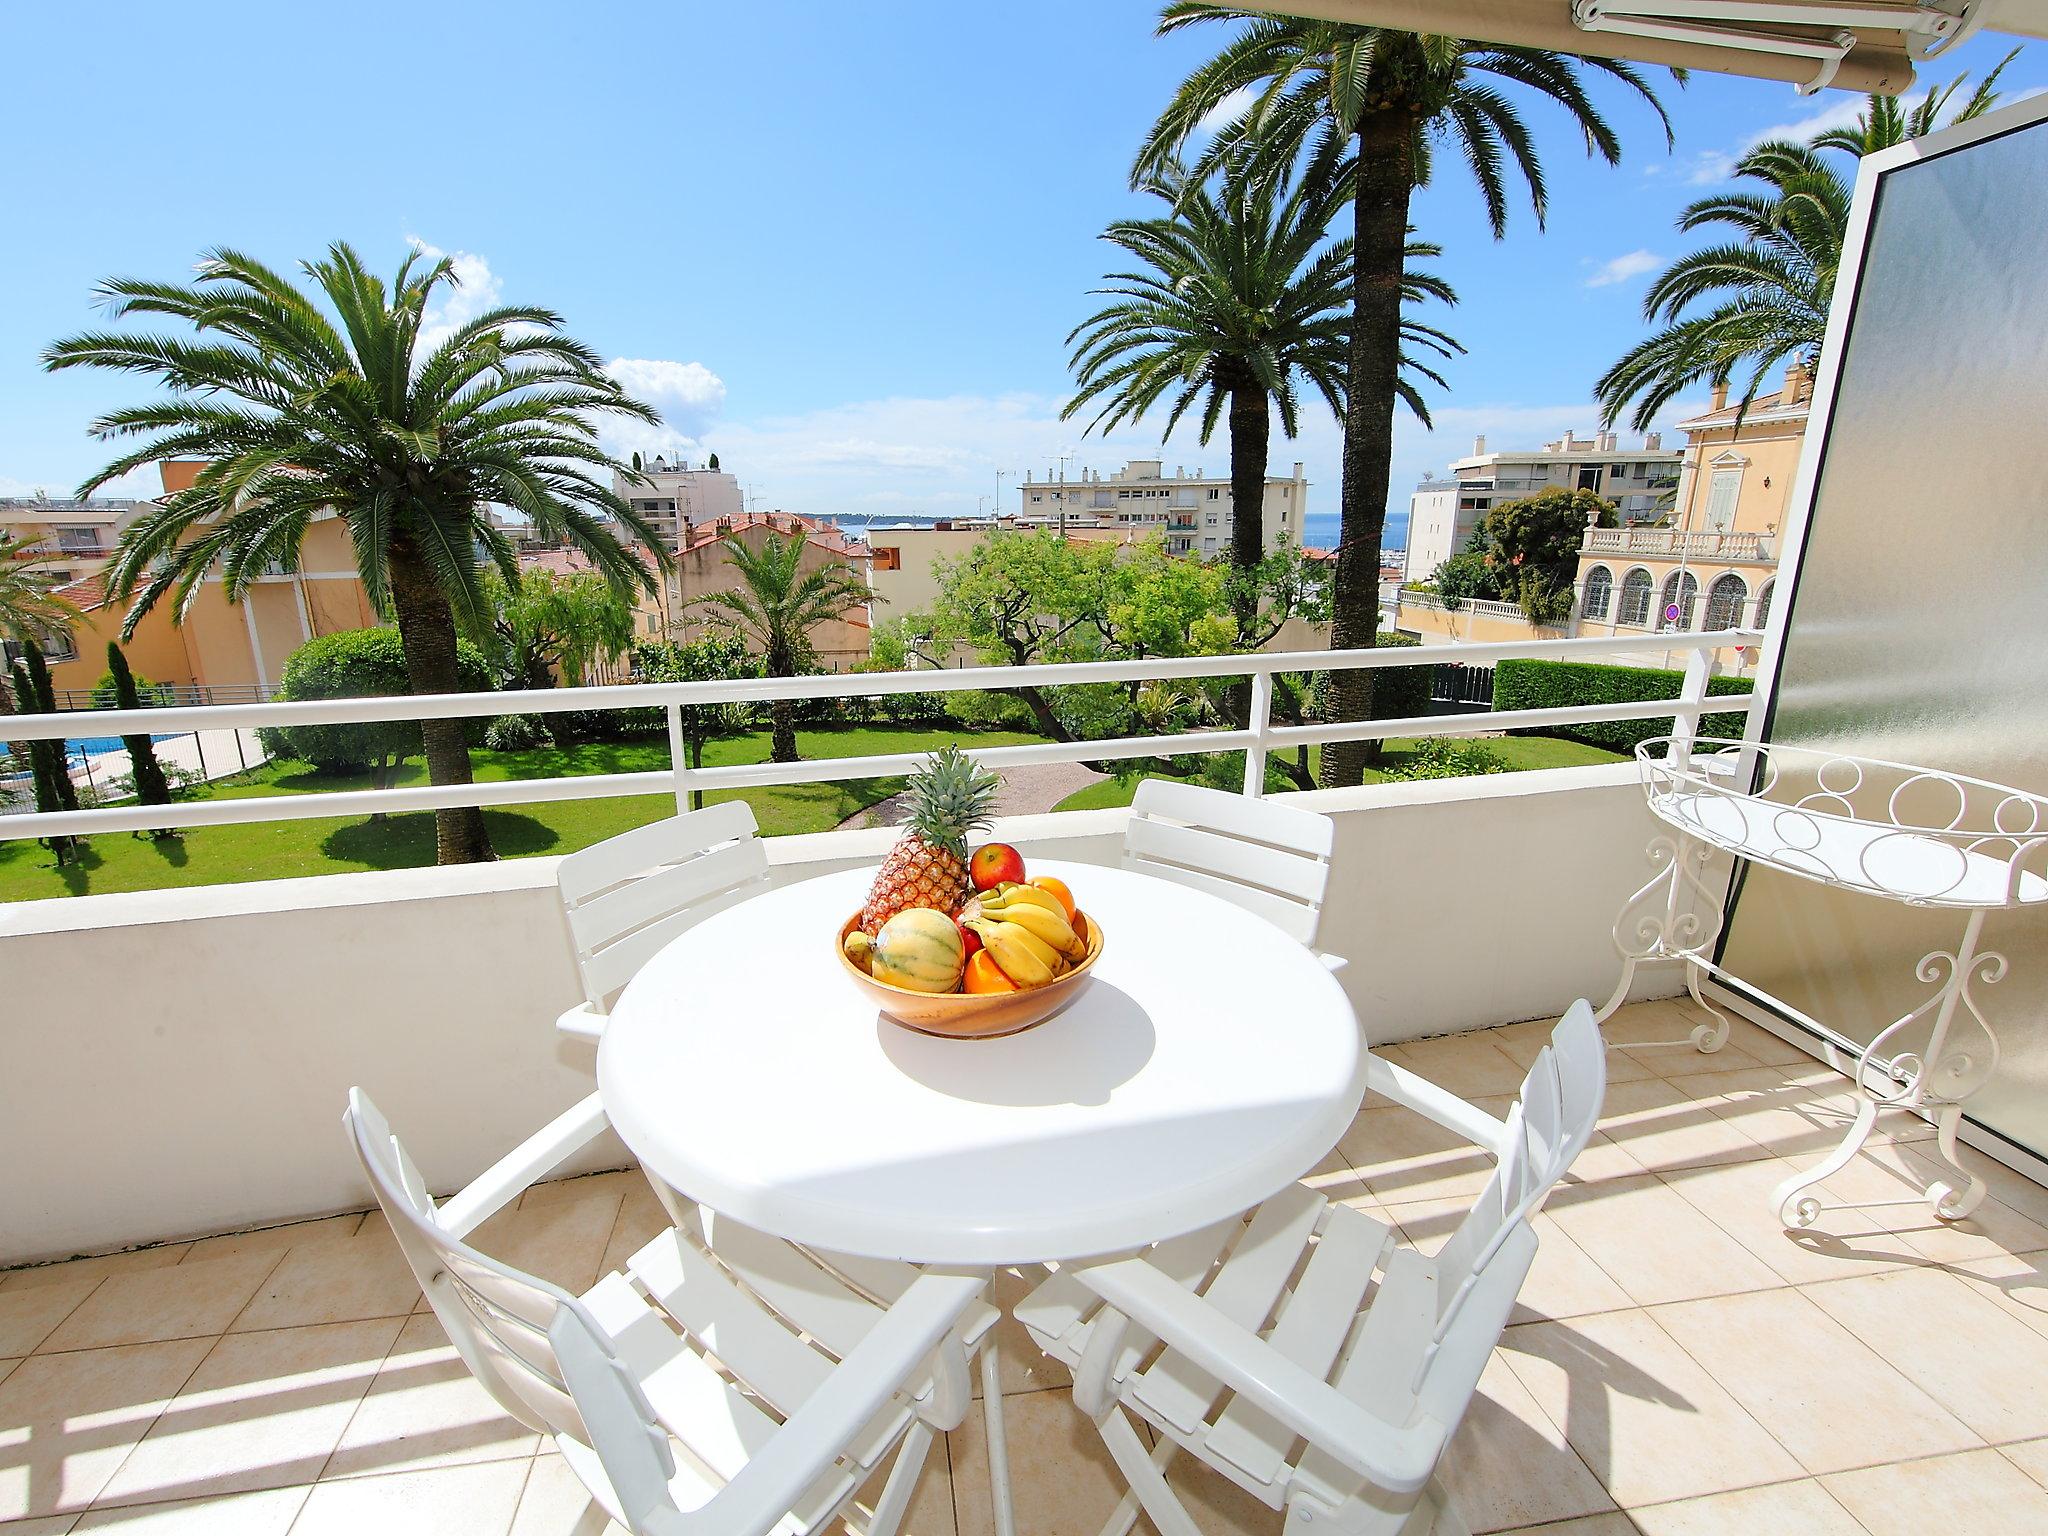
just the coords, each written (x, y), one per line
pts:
(1928, 653)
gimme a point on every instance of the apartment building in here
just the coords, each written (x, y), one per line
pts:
(1709, 558)
(1193, 511)
(70, 540)
(674, 497)
(233, 651)
(1443, 513)
(1715, 564)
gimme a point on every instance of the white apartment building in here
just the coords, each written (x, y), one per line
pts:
(70, 540)
(1193, 511)
(1443, 513)
(674, 496)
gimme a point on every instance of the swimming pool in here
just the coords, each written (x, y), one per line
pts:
(88, 745)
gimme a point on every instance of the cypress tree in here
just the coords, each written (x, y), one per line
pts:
(151, 787)
(48, 765)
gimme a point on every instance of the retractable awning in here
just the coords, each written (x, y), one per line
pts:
(1867, 46)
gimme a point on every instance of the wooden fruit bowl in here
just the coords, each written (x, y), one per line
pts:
(974, 1015)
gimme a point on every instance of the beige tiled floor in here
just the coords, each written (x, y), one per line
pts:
(1679, 1365)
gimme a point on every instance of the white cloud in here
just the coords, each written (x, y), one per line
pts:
(143, 484)
(1622, 268)
(1710, 167)
(688, 395)
(476, 288)
(1226, 111)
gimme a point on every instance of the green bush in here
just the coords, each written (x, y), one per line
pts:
(1525, 684)
(1439, 757)
(518, 733)
(359, 664)
(1399, 693)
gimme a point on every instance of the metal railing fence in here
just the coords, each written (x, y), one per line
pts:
(1260, 736)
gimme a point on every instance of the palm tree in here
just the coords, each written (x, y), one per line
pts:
(1242, 302)
(1774, 281)
(776, 606)
(353, 408)
(1771, 285)
(1394, 100)
(1885, 122)
(29, 605)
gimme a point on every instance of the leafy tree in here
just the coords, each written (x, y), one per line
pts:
(713, 462)
(551, 622)
(1242, 301)
(776, 606)
(49, 764)
(1531, 548)
(1393, 102)
(698, 661)
(1465, 577)
(359, 664)
(323, 397)
(151, 787)
(1762, 297)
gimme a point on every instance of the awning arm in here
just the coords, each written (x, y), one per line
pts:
(1927, 29)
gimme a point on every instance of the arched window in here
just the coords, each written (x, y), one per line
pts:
(1763, 605)
(1681, 590)
(1635, 598)
(1599, 592)
(1724, 601)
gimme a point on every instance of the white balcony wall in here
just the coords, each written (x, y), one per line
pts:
(175, 1062)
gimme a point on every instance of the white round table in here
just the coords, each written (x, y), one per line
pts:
(1211, 1062)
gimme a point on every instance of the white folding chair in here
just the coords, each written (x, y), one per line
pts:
(692, 1396)
(627, 896)
(1305, 1354)
(1268, 858)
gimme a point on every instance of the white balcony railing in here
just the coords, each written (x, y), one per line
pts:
(1676, 543)
(1259, 738)
(1482, 607)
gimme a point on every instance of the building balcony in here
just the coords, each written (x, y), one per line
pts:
(242, 1346)
(1679, 544)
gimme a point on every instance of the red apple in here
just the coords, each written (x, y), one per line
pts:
(995, 864)
(970, 941)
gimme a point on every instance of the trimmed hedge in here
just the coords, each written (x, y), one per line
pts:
(1526, 684)
(1399, 693)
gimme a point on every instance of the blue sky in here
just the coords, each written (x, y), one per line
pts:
(840, 245)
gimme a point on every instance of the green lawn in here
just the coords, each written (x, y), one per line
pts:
(1520, 752)
(325, 846)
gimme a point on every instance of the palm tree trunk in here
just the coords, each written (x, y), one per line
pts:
(426, 629)
(1386, 181)
(779, 660)
(1251, 430)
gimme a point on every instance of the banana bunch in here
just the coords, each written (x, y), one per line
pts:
(1038, 913)
(1026, 932)
(1024, 957)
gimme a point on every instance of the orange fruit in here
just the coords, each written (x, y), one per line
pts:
(1053, 886)
(984, 975)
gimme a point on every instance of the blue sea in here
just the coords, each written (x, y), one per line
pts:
(1324, 530)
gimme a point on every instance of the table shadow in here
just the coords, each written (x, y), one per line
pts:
(1069, 1059)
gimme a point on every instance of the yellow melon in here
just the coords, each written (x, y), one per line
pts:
(920, 950)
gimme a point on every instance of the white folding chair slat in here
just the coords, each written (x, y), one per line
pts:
(626, 897)
(819, 1303)
(605, 972)
(1243, 1292)
(1268, 858)
(1290, 917)
(777, 1365)
(1277, 869)
(627, 1385)
(1054, 1310)
(1262, 820)
(717, 1424)
(1401, 1335)
(1311, 1331)
(602, 865)
(671, 887)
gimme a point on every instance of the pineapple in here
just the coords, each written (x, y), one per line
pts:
(949, 797)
